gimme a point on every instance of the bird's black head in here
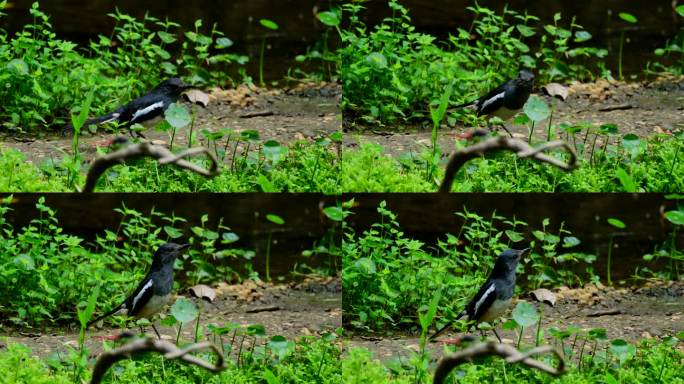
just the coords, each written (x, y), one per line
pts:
(174, 85)
(525, 78)
(508, 259)
(167, 254)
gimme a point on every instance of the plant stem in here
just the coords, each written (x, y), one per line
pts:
(622, 41)
(261, 62)
(610, 252)
(529, 139)
(268, 256)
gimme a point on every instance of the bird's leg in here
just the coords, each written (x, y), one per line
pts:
(142, 330)
(155, 331)
(497, 335)
(506, 129)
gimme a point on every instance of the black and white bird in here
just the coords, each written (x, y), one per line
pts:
(146, 110)
(495, 295)
(506, 100)
(154, 290)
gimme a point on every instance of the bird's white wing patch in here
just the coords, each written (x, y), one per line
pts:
(489, 291)
(493, 99)
(140, 294)
(114, 117)
(148, 109)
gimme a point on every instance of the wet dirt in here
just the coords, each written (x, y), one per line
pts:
(305, 112)
(312, 307)
(643, 109)
(654, 310)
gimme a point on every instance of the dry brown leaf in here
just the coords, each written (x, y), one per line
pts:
(544, 295)
(556, 90)
(196, 96)
(204, 292)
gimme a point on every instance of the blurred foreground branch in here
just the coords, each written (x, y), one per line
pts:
(521, 149)
(170, 351)
(158, 152)
(512, 355)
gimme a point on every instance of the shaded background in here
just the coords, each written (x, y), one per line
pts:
(89, 215)
(81, 20)
(428, 217)
(658, 22)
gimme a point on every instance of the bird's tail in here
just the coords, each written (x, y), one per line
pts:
(446, 327)
(113, 311)
(96, 120)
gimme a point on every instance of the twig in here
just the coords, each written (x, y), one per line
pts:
(521, 149)
(170, 351)
(619, 107)
(512, 355)
(158, 152)
(608, 312)
(250, 115)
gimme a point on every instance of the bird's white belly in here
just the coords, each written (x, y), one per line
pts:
(504, 113)
(154, 306)
(497, 309)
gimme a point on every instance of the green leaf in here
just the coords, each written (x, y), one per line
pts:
(270, 377)
(274, 152)
(177, 115)
(25, 262)
(570, 241)
(582, 36)
(626, 180)
(525, 30)
(270, 24)
(377, 60)
(365, 265)
(680, 10)
(172, 232)
(628, 17)
(675, 217)
(184, 310)
(610, 379)
(622, 350)
(275, 219)
(536, 109)
(329, 18)
(513, 235)
(616, 223)
(223, 42)
(525, 314)
(256, 330)
(265, 184)
(18, 66)
(334, 213)
(229, 237)
(280, 346)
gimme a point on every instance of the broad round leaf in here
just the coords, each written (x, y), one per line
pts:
(184, 310)
(622, 350)
(365, 266)
(177, 115)
(377, 60)
(525, 314)
(536, 109)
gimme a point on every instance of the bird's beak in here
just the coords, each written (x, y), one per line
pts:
(183, 247)
(523, 252)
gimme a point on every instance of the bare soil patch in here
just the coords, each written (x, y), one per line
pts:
(654, 310)
(312, 307)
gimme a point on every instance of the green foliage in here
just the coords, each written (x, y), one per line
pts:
(47, 272)
(387, 277)
(644, 362)
(306, 360)
(632, 165)
(390, 73)
(46, 76)
(672, 52)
